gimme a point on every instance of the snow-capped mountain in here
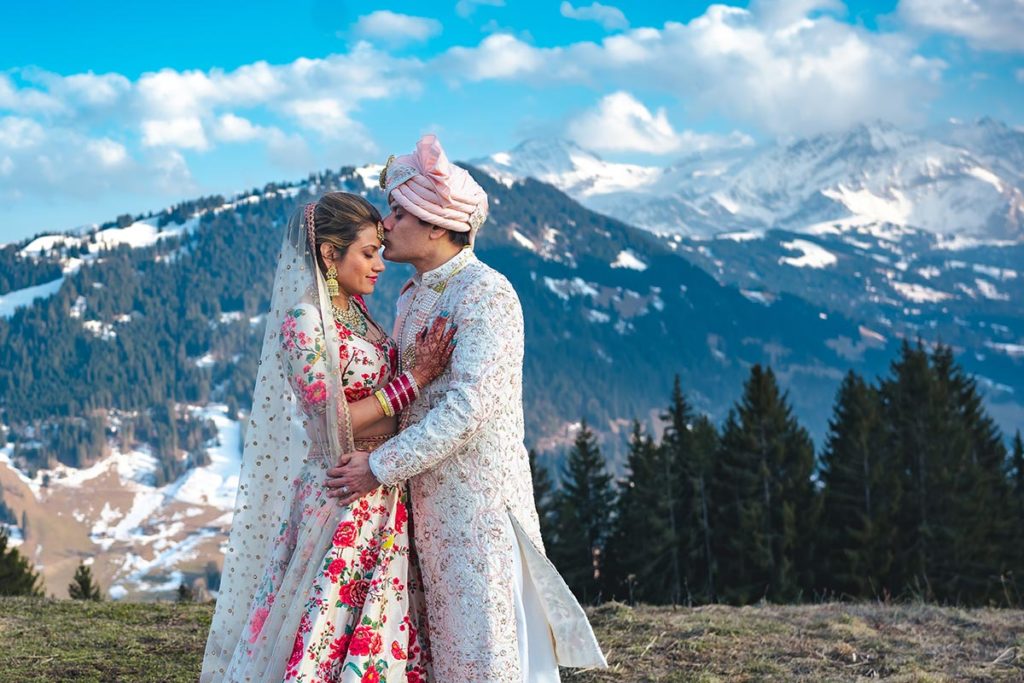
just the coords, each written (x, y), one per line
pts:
(963, 180)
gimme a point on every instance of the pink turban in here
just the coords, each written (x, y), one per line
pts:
(435, 190)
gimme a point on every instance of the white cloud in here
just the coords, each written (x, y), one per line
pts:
(464, 8)
(986, 24)
(185, 132)
(611, 18)
(84, 134)
(35, 161)
(19, 133)
(232, 128)
(800, 76)
(622, 123)
(391, 27)
(498, 56)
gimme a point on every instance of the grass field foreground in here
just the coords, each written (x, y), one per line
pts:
(64, 640)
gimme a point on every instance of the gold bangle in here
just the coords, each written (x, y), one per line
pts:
(384, 403)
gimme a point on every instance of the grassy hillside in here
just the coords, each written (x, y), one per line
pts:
(65, 640)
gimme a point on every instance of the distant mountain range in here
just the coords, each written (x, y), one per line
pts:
(128, 351)
(959, 181)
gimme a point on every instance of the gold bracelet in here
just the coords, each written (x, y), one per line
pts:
(385, 404)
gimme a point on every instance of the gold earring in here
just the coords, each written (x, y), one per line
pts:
(332, 281)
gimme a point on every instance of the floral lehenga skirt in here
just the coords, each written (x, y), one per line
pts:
(341, 598)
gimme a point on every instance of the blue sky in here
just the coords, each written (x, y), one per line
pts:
(111, 108)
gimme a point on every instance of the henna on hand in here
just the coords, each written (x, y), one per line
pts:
(434, 347)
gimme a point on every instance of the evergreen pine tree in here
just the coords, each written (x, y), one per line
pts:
(675, 523)
(82, 586)
(585, 506)
(701, 561)
(860, 497)
(16, 574)
(982, 531)
(1016, 480)
(544, 498)
(764, 505)
(918, 432)
(634, 570)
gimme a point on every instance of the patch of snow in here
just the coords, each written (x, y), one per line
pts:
(141, 234)
(986, 176)
(993, 272)
(217, 483)
(523, 240)
(919, 293)
(868, 333)
(564, 289)
(989, 291)
(627, 259)
(763, 298)
(726, 203)
(739, 236)
(100, 330)
(19, 298)
(1013, 350)
(894, 209)
(814, 256)
(597, 316)
(370, 175)
(47, 242)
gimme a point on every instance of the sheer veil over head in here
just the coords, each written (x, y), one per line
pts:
(279, 440)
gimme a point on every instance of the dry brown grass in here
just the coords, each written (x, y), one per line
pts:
(47, 640)
(828, 642)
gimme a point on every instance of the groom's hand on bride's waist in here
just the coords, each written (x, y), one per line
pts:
(352, 478)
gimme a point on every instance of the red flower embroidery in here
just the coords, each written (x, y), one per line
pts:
(345, 534)
(368, 559)
(354, 592)
(315, 393)
(401, 517)
(414, 676)
(304, 626)
(335, 568)
(360, 643)
(371, 675)
(339, 648)
(376, 644)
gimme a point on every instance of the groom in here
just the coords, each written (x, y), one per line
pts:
(497, 608)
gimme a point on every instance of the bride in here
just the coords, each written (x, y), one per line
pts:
(312, 590)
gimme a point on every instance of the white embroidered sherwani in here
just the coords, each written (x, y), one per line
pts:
(472, 494)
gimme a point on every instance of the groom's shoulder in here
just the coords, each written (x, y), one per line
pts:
(481, 276)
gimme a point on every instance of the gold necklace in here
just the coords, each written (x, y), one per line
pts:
(352, 318)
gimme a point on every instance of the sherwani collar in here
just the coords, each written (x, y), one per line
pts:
(438, 277)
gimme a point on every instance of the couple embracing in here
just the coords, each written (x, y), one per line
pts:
(385, 527)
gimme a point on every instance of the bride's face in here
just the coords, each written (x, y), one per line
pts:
(359, 267)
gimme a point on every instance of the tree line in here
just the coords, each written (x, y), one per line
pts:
(914, 495)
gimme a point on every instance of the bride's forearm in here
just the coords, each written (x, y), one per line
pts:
(365, 413)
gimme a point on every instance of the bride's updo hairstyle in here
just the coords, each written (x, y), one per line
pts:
(338, 218)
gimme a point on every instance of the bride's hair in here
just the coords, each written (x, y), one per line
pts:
(338, 218)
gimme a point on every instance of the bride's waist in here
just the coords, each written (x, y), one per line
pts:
(371, 442)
